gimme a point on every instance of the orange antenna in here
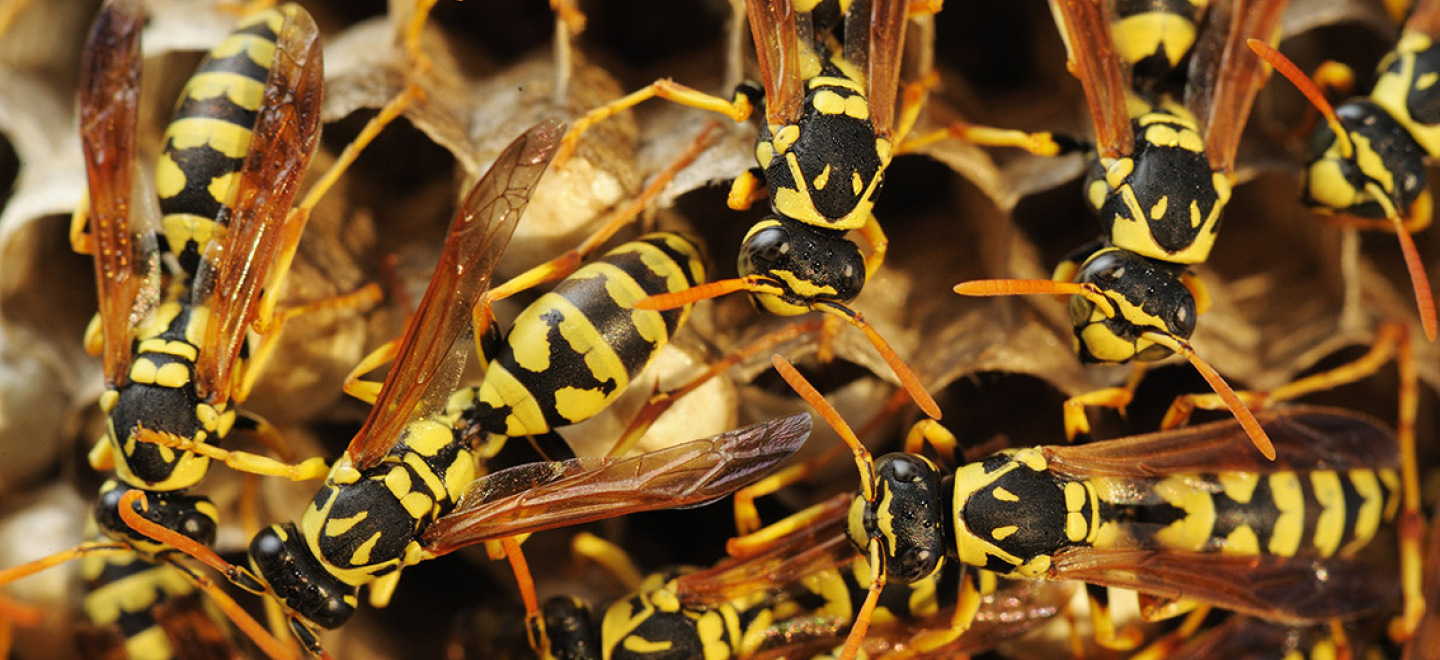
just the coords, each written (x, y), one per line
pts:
(832, 417)
(1419, 281)
(993, 288)
(708, 290)
(267, 642)
(763, 285)
(1308, 88)
(1237, 407)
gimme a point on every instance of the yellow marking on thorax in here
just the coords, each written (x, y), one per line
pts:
(1392, 90)
(1002, 533)
(160, 321)
(1004, 495)
(179, 349)
(715, 627)
(199, 320)
(1158, 210)
(1330, 524)
(797, 204)
(969, 546)
(1077, 526)
(428, 478)
(361, 555)
(1189, 494)
(338, 526)
(149, 644)
(821, 179)
(428, 437)
(1290, 522)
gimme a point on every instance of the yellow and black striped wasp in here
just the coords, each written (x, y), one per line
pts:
(406, 489)
(796, 600)
(829, 128)
(1161, 178)
(1183, 515)
(174, 352)
(1368, 161)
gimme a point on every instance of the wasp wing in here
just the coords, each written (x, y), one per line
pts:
(540, 496)
(773, 25)
(1284, 589)
(1424, 18)
(235, 271)
(126, 262)
(1225, 75)
(1306, 438)
(884, 30)
(1085, 27)
(477, 239)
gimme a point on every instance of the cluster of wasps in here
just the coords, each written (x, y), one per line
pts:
(1284, 528)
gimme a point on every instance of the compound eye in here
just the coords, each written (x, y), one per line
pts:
(1107, 266)
(764, 249)
(914, 564)
(1183, 320)
(849, 275)
(197, 526)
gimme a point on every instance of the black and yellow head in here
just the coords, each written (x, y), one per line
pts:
(1382, 153)
(906, 518)
(192, 516)
(805, 262)
(1163, 200)
(1141, 296)
(1011, 514)
(280, 558)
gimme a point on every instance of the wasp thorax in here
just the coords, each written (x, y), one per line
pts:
(1144, 295)
(809, 263)
(280, 557)
(906, 517)
(1384, 154)
(1009, 513)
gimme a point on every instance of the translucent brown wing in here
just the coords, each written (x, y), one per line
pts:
(125, 259)
(540, 496)
(1282, 589)
(1225, 75)
(478, 236)
(1306, 438)
(1424, 18)
(236, 272)
(886, 23)
(816, 547)
(777, 47)
(1085, 26)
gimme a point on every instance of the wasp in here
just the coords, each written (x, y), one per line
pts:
(1368, 161)
(1178, 514)
(829, 83)
(1161, 177)
(406, 489)
(792, 602)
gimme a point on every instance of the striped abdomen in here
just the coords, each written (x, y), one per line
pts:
(573, 352)
(206, 142)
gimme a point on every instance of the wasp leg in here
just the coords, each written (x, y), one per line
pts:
(660, 402)
(569, 23)
(13, 613)
(1165, 646)
(307, 470)
(933, 433)
(967, 605)
(360, 299)
(913, 98)
(1103, 622)
(587, 547)
(738, 110)
(81, 241)
(410, 37)
(747, 189)
(1077, 423)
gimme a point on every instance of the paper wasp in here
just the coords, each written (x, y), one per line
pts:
(1368, 161)
(793, 602)
(1161, 178)
(1183, 513)
(830, 80)
(406, 488)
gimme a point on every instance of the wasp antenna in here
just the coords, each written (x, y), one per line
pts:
(832, 417)
(1419, 281)
(908, 380)
(992, 288)
(87, 549)
(664, 301)
(130, 513)
(1308, 88)
(1237, 407)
